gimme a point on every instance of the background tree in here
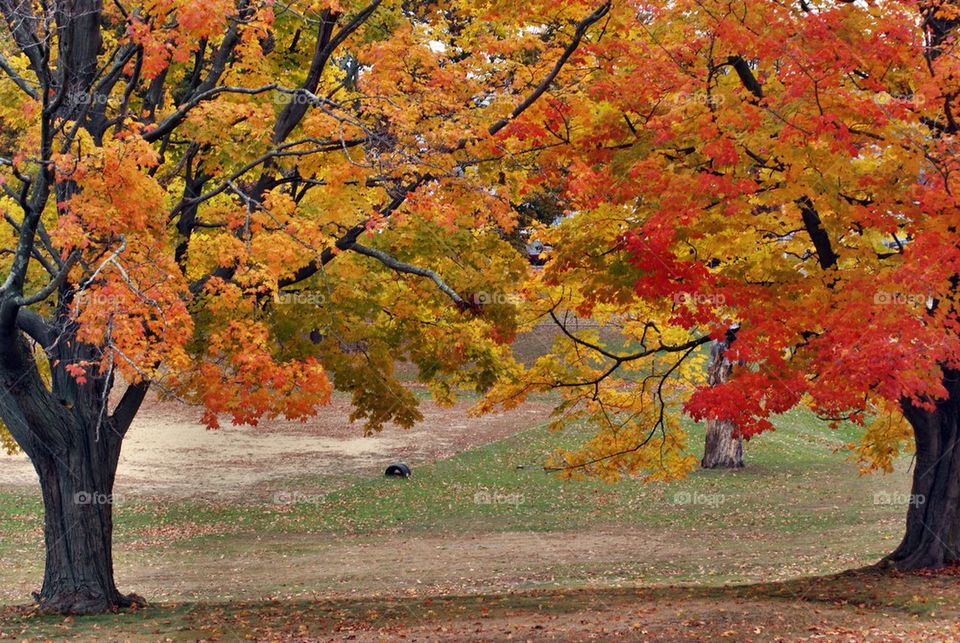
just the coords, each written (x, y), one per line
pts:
(790, 167)
(723, 441)
(190, 188)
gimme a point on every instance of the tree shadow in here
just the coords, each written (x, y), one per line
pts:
(868, 595)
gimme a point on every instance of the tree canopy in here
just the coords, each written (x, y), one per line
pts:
(209, 162)
(248, 204)
(783, 169)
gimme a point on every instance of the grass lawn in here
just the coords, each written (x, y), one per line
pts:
(487, 545)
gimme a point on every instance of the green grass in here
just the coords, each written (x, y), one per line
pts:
(790, 474)
(799, 497)
(798, 509)
(783, 481)
(448, 495)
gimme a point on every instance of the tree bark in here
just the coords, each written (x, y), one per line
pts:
(78, 532)
(74, 447)
(932, 535)
(723, 447)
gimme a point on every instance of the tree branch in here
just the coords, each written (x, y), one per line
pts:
(659, 424)
(20, 20)
(400, 266)
(348, 239)
(173, 120)
(747, 78)
(129, 404)
(538, 91)
(54, 283)
(17, 78)
(35, 326)
(327, 43)
(814, 226)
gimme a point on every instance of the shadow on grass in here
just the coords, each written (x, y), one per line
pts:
(859, 594)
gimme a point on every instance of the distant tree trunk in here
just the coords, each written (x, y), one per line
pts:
(932, 536)
(723, 447)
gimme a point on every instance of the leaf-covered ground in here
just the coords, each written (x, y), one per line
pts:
(850, 607)
(484, 545)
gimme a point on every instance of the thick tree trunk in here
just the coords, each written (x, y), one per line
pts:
(78, 530)
(74, 447)
(723, 447)
(932, 535)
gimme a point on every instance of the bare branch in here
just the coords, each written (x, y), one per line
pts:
(658, 425)
(746, 75)
(21, 21)
(35, 326)
(327, 43)
(128, 406)
(826, 255)
(620, 359)
(173, 120)
(349, 238)
(285, 149)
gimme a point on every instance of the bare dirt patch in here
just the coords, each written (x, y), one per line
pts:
(402, 565)
(168, 453)
(313, 565)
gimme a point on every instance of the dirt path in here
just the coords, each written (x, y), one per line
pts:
(169, 454)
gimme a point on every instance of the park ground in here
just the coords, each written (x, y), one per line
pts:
(289, 532)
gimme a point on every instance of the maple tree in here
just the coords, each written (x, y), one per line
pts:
(789, 168)
(247, 205)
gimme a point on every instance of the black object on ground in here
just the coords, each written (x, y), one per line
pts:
(399, 470)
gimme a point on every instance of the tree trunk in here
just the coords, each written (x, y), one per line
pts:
(723, 447)
(78, 530)
(74, 446)
(932, 535)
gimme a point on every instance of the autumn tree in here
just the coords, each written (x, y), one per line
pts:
(787, 167)
(215, 199)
